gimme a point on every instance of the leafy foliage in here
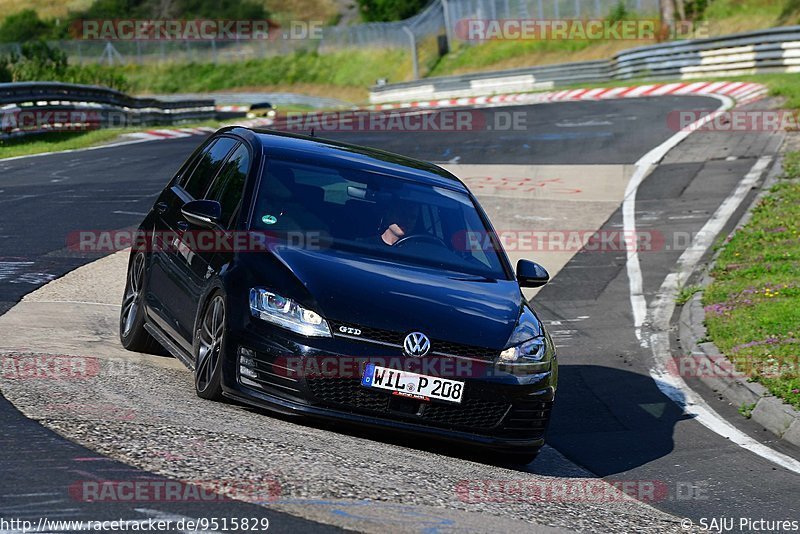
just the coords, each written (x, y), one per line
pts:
(25, 26)
(40, 62)
(388, 10)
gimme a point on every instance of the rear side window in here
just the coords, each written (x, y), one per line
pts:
(228, 187)
(207, 166)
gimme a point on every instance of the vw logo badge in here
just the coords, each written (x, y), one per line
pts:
(416, 344)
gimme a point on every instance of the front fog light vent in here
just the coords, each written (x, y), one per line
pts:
(246, 362)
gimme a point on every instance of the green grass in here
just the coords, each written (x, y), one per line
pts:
(354, 68)
(58, 141)
(722, 17)
(791, 164)
(501, 54)
(686, 294)
(55, 142)
(753, 305)
(746, 410)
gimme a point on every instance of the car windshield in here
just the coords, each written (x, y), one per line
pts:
(375, 215)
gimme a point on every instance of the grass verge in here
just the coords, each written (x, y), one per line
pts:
(59, 141)
(56, 142)
(352, 70)
(753, 305)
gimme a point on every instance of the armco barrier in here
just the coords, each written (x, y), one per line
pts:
(36, 107)
(764, 51)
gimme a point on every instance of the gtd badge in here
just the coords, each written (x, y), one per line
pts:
(349, 331)
(416, 344)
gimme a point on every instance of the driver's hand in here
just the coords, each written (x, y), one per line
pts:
(393, 234)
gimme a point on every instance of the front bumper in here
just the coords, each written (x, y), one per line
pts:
(498, 410)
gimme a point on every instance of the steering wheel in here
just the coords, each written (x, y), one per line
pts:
(420, 237)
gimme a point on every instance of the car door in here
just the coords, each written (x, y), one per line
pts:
(199, 259)
(171, 292)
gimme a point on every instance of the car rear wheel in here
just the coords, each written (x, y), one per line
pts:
(132, 333)
(209, 346)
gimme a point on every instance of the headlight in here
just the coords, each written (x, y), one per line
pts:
(528, 347)
(532, 351)
(287, 313)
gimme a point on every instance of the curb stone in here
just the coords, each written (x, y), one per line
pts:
(769, 411)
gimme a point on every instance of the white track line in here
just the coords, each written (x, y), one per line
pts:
(642, 169)
(672, 385)
(663, 305)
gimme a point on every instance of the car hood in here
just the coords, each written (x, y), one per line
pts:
(361, 291)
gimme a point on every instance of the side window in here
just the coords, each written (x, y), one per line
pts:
(208, 163)
(228, 187)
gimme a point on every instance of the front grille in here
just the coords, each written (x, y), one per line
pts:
(348, 392)
(377, 335)
(470, 414)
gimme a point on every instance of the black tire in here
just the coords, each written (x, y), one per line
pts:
(209, 348)
(132, 334)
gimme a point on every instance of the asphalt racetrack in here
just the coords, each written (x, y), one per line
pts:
(566, 169)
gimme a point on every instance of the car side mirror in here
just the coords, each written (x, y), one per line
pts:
(531, 274)
(205, 213)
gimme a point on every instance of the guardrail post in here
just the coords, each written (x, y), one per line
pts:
(413, 40)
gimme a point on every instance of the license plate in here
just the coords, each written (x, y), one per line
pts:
(406, 384)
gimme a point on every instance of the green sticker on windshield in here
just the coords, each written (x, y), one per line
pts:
(269, 219)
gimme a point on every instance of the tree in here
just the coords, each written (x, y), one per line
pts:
(24, 26)
(667, 18)
(389, 10)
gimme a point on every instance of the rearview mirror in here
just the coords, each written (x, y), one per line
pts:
(206, 213)
(531, 274)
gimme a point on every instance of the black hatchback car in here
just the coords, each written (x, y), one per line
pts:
(317, 278)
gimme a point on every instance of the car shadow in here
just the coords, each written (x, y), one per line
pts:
(605, 420)
(611, 420)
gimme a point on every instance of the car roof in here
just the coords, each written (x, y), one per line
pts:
(283, 145)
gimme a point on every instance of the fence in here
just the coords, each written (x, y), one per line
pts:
(36, 107)
(426, 35)
(765, 51)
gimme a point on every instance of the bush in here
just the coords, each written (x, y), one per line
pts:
(791, 9)
(25, 26)
(618, 13)
(186, 9)
(388, 10)
(39, 62)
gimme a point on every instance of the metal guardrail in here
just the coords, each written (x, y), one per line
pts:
(35, 107)
(764, 51)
